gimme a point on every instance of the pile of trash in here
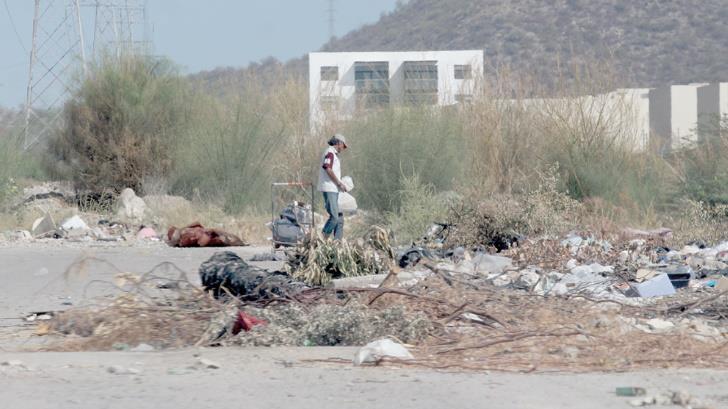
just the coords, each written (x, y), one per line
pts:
(132, 220)
(579, 302)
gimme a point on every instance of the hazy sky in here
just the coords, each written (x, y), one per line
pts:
(204, 34)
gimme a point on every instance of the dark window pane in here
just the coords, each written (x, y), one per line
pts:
(329, 73)
(372, 84)
(463, 72)
(420, 82)
(464, 98)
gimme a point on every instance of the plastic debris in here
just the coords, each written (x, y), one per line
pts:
(375, 351)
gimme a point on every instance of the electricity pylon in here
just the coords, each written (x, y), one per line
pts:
(59, 51)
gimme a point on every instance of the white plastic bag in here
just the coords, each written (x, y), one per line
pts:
(347, 203)
(373, 352)
(348, 182)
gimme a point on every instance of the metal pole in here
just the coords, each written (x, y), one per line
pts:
(29, 91)
(80, 35)
(272, 217)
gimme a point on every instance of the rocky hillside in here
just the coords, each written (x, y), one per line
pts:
(650, 42)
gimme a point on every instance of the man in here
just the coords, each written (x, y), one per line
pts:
(330, 185)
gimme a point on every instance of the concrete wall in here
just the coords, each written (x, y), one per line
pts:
(674, 115)
(632, 107)
(345, 88)
(712, 107)
(661, 118)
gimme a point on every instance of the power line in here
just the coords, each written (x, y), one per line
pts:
(15, 29)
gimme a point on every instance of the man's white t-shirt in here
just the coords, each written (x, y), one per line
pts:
(329, 160)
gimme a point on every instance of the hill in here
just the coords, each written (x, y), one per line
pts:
(650, 42)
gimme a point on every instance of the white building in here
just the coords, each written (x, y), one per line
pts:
(340, 84)
(712, 106)
(674, 115)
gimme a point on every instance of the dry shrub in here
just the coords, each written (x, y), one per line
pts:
(120, 124)
(701, 222)
(331, 324)
(502, 218)
(132, 319)
(318, 261)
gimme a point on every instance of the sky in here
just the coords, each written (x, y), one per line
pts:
(201, 35)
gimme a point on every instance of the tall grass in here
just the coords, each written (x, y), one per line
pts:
(138, 123)
(226, 156)
(16, 163)
(390, 145)
(703, 166)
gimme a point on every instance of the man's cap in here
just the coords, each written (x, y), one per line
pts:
(341, 138)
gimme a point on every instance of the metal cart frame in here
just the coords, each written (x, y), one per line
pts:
(312, 225)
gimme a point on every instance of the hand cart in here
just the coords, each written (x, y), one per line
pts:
(308, 226)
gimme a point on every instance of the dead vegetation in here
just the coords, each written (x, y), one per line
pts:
(451, 321)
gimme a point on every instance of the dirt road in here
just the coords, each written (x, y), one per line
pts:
(38, 278)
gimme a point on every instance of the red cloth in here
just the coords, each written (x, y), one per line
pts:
(246, 322)
(197, 235)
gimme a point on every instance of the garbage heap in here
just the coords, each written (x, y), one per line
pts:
(578, 302)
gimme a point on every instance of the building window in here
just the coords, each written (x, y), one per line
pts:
(329, 73)
(329, 103)
(464, 98)
(372, 84)
(420, 82)
(463, 72)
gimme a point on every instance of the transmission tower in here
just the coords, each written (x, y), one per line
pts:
(60, 51)
(332, 20)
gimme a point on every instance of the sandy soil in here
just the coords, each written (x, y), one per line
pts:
(36, 277)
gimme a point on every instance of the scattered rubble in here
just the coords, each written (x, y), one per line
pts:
(147, 233)
(44, 227)
(130, 207)
(462, 307)
(57, 190)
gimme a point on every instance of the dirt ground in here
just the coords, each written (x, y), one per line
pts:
(46, 277)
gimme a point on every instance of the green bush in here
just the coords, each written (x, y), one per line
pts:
(16, 163)
(420, 207)
(121, 123)
(227, 154)
(704, 166)
(387, 145)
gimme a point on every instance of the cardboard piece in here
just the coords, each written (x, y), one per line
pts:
(656, 287)
(722, 284)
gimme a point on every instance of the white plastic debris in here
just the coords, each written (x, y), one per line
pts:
(207, 363)
(655, 287)
(527, 279)
(74, 223)
(142, 348)
(120, 370)
(486, 263)
(373, 352)
(659, 325)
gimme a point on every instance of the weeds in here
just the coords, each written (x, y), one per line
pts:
(524, 163)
